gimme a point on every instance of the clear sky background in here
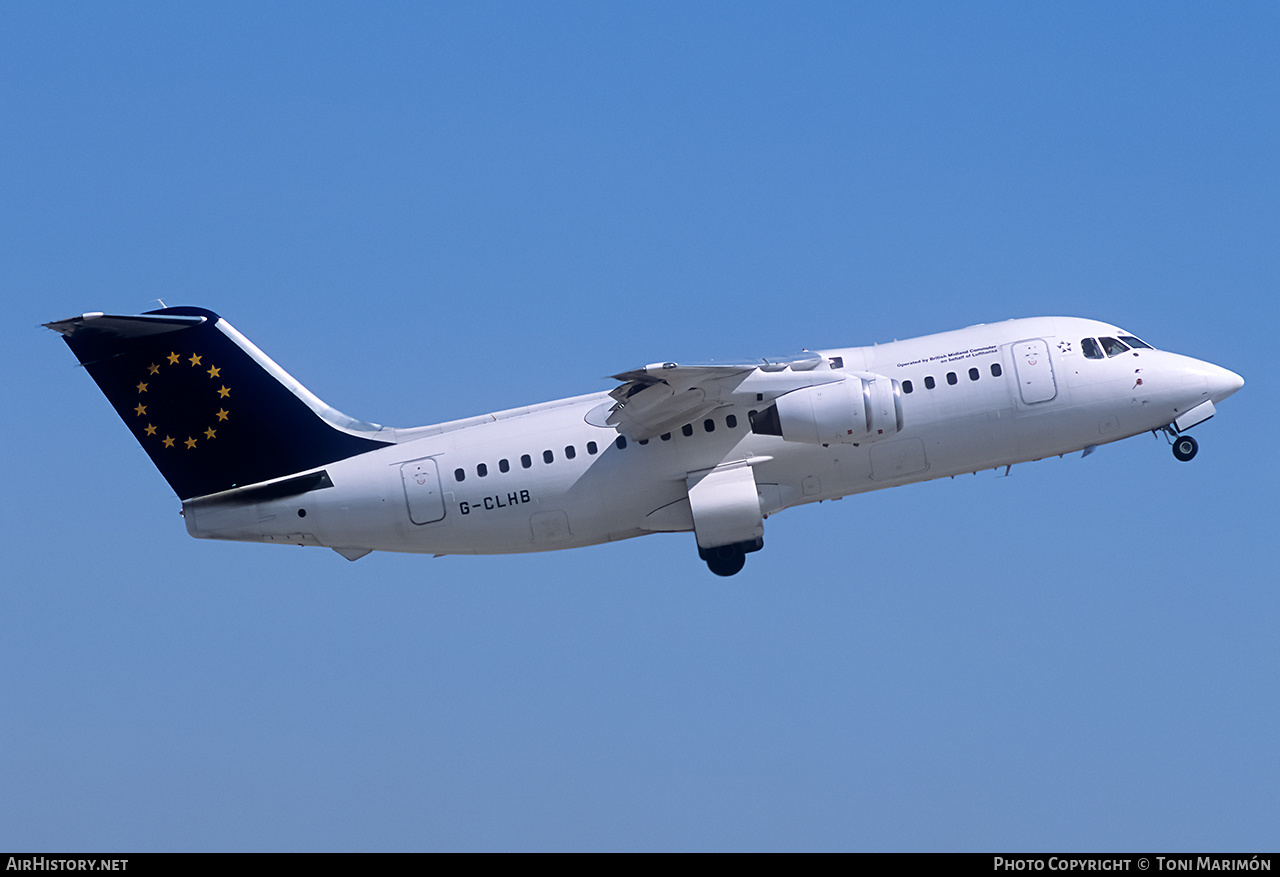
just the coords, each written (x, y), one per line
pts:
(428, 211)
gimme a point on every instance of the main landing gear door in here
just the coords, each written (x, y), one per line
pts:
(422, 491)
(726, 516)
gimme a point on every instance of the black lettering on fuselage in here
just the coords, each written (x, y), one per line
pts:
(493, 503)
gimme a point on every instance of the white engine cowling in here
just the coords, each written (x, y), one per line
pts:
(853, 410)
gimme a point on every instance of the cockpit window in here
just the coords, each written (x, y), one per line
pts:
(1090, 349)
(1113, 346)
(1136, 342)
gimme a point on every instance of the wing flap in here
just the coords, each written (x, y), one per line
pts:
(660, 397)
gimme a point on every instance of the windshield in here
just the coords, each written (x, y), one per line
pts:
(1113, 346)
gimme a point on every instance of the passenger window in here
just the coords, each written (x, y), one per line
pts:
(591, 448)
(973, 374)
(906, 387)
(996, 371)
(621, 443)
(666, 436)
(526, 461)
(687, 429)
(570, 452)
(731, 421)
(643, 442)
(951, 378)
(929, 382)
(1090, 349)
(1113, 346)
(548, 457)
(504, 466)
(709, 425)
(458, 474)
(482, 470)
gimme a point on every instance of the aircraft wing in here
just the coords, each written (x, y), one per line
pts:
(662, 396)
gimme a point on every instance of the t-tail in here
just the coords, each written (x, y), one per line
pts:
(211, 409)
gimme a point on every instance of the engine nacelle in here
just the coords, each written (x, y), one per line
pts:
(853, 410)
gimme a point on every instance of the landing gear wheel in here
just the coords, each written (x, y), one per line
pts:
(1185, 447)
(726, 560)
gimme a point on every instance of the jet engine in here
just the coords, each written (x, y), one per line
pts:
(853, 410)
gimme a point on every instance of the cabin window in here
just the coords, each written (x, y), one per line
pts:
(666, 436)
(996, 371)
(482, 470)
(1090, 349)
(548, 457)
(906, 387)
(591, 448)
(731, 421)
(643, 442)
(1113, 346)
(570, 452)
(951, 378)
(709, 425)
(929, 382)
(459, 475)
(526, 461)
(687, 429)
(973, 374)
(621, 443)
(504, 466)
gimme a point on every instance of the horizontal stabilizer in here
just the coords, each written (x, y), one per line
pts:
(110, 326)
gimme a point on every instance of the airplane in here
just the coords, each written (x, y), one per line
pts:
(712, 449)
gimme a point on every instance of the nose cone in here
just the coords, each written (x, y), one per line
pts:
(1200, 380)
(1222, 383)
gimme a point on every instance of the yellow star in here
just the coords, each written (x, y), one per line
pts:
(191, 443)
(142, 388)
(224, 392)
(140, 410)
(168, 442)
(173, 358)
(153, 369)
(209, 433)
(151, 430)
(195, 360)
(214, 371)
(222, 413)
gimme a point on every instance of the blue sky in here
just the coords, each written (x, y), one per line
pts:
(430, 211)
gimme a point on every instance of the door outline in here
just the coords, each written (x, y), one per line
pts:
(1034, 369)
(422, 494)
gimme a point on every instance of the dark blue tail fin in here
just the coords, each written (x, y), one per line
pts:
(211, 410)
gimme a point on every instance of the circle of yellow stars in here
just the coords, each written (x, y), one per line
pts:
(195, 360)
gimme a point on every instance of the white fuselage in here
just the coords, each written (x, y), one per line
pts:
(1019, 390)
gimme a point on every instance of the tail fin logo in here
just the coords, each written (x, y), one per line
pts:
(211, 410)
(183, 403)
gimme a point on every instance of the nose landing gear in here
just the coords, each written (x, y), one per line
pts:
(1185, 447)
